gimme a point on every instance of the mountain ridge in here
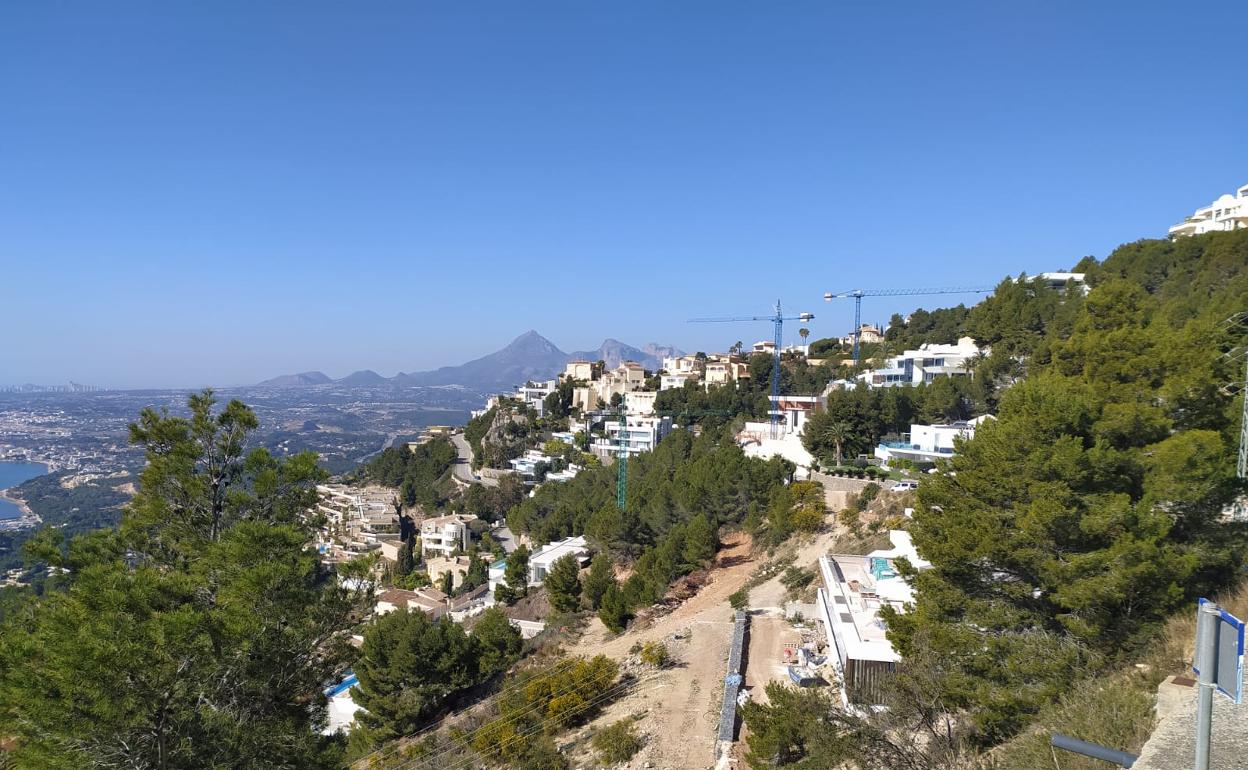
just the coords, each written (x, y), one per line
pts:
(529, 356)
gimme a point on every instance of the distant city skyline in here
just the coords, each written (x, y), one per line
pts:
(195, 194)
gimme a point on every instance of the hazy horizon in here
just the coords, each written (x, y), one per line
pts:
(219, 194)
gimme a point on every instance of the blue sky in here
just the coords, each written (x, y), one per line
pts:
(213, 193)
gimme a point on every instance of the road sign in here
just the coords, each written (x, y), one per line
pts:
(1228, 659)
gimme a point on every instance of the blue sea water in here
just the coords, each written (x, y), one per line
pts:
(12, 474)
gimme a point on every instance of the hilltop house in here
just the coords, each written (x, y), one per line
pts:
(1228, 212)
(915, 367)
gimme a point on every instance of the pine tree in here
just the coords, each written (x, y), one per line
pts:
(498, 642)
(599, 578)
(408, 665)
(406, 561)
(614, 612)
(701, 542)
(185, 616)
(563, 584)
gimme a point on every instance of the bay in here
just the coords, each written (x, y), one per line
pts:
(12, 474)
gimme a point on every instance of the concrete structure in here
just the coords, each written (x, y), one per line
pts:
(855, 589)
(641, 434)
(443, 535)
(543, 558)
(915, 367)
(928, 443)
(1228, 212)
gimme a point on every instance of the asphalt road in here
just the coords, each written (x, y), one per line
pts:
(463, 466)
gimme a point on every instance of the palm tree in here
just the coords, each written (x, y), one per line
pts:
(804, 333)
(838, 433)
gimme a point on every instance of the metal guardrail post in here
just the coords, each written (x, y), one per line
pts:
(1094, 750)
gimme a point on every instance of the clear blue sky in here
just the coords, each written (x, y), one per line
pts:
(195, 193)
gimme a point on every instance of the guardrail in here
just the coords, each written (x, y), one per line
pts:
(732, 681)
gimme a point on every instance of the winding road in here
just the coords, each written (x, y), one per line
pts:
(462, 470)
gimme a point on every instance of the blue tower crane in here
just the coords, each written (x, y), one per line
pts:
(858, 294)
(778, 319)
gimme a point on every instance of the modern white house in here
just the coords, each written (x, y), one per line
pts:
(443, 535)
(928, 443)
(534, 393)
(540, 562)
(855, 589)
(680, 364)
(641, 434)
(915, 367)
(673, 381)
(544, 558)
(1228, 212)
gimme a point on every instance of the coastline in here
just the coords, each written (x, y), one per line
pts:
(22, 507)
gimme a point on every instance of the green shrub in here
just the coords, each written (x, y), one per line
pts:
(655, 654)
(616, 743)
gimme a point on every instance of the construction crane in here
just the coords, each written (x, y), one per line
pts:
(778, 319)
(858, 294)
(621, 453)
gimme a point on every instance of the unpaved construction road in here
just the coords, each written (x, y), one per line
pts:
(681, 703)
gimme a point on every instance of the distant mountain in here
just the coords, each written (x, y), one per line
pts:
(364, 377)
(300, 380)
(528, 357)
(659, 352)
(613, 352)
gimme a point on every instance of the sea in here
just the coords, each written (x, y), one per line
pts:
(12, 474)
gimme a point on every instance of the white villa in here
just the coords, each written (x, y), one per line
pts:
(641, 434)
(915, 367)
(1228, 212)
(444, 535)
(928, 443)
(855, 589)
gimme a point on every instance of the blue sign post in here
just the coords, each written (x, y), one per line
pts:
(1219, 666)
